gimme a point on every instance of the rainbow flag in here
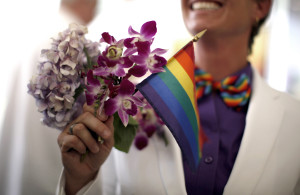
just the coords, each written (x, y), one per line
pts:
(172, 95)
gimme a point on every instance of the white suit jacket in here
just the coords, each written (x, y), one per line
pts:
(268, 161)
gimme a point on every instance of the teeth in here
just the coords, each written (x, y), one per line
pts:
(205, 6)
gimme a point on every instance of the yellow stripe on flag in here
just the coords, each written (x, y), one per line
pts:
(183, 78)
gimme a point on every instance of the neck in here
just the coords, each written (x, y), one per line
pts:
(221, 57)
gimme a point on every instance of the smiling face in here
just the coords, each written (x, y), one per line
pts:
(224, 17)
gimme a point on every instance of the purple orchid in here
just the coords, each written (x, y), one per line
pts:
(107, 67)
(149, 124)
(147, 33)
(141, 140)
(147, 60)
(112, 61)
(94, 90)
(125, 103)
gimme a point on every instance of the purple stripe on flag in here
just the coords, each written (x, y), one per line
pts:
(170, 120)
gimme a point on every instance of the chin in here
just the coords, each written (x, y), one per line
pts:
(196, 27)
(203, 14)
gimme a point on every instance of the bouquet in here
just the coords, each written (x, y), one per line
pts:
(75, 71)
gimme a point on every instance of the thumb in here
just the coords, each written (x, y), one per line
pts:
(100, 113)
(110, 123)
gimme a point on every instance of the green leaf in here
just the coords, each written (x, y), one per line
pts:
(132, 121)
(78, 91)
(124, 136)
(88, 58)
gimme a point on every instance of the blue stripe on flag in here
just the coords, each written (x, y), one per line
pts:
(166, 95)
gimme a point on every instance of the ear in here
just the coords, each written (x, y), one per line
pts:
(263, 8)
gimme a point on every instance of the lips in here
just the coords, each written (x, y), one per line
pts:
(206, 5)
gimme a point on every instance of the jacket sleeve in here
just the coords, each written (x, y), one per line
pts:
(104, 183)
(93, 187)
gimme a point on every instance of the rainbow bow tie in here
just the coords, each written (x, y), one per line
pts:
(234, 90)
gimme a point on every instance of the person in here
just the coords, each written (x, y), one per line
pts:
(29, 161)
(250, 150)
(81, 11)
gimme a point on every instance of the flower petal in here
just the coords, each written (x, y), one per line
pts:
(161, 61)
(131, 31)
(148, 30)
(119, 71)
(123, 116)
(127, 63)
(138, 59)
(101, 60)
(126, 88)
(91, 80)
(89, 98)
(130, 51)
(150, 130)
(159, 51)
(111, 106)
(60, 116)
(138, 101)
(106, 37)
(41, 105)
(141, 140)
(138, 71)
(128, 42)
(143, 48)
(101, 71)
(157, 70)
(131, 108)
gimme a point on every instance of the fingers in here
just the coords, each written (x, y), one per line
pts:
(73, 142)
(94, 124)
(85, 136)
(79, 140)
(81, 137)
(110, 124)
(100, 115)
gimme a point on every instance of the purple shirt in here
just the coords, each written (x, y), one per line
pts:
(224, 128)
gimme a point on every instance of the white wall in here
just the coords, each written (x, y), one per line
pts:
(283, 65)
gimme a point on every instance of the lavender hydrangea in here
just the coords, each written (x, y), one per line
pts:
(59, 76)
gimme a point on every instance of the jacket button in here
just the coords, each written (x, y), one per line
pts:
(208, 159)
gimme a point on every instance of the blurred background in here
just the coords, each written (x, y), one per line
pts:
(28, 25)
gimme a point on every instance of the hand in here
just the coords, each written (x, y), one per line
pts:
(73, 146)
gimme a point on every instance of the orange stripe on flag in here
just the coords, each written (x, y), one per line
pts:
(186, 59)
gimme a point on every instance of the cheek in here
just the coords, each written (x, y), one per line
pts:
(184, 10)
(241, 15)
(246, 11)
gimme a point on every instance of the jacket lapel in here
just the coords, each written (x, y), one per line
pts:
(262, 125)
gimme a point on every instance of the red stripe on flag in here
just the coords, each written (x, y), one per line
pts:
(186, 59)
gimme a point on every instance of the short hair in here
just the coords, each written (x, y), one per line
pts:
(255, 30)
